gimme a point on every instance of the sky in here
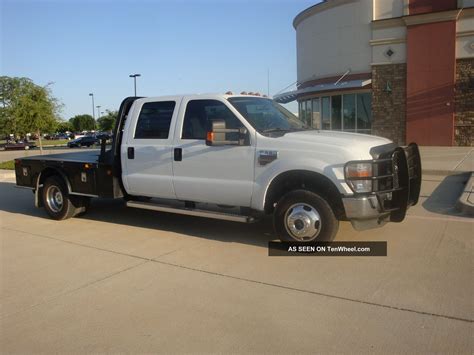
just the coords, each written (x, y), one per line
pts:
(178, 47)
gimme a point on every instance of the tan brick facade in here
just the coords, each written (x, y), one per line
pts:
(389, 101)
(464, 101)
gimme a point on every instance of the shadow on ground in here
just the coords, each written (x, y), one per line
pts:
(443, 199)
(20, 201)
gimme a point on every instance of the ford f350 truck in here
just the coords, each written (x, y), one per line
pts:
(236, 158)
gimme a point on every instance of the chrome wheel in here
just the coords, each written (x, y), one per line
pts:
(302, 222)
(54, 198)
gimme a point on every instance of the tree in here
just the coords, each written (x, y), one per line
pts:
(64, 126)
(106, 123)
(26, 107)
(82, 123)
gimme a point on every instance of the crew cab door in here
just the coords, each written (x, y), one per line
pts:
(146, 153)
(213, 174)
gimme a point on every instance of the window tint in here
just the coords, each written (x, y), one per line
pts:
(154, 120)
(349, 112)
(200, 113)
(364, 112)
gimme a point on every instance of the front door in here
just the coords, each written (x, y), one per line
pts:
(213, 174)
(147, 150)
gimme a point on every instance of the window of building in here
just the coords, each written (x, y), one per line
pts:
(347, 112)
(336, 110)
(200, 113)
(154, 120)
(364, 113)
(326, 112)
(316, 115)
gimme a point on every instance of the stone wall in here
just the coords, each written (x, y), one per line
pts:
(464, 102)
(389, 101)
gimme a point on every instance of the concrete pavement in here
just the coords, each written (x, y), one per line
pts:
(125, 280)
(447, 160)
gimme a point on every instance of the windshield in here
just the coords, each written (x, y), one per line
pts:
(266, 116)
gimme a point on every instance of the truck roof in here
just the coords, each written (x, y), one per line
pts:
(202, 96)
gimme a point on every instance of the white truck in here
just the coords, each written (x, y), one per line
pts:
(232, 157)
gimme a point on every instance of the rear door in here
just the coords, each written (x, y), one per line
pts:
(146, 152)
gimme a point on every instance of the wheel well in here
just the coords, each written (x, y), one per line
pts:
(307, 180)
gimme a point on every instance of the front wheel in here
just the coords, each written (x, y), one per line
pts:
(303, 216)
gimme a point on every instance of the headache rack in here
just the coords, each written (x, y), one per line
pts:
(396, 180)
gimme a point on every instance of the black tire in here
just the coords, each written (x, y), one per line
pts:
(57, 202)
(315, 211)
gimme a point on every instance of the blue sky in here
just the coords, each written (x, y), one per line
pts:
(177, 46)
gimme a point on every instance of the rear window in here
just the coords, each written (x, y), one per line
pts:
(155, 120)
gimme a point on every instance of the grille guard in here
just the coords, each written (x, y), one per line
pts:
(397, 172)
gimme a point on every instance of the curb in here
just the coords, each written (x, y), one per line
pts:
(443, 172)
(465, 203)
(7, 174)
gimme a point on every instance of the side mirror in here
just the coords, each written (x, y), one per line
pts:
(217, 134)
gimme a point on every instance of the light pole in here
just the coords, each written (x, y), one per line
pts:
(93, 109)
(134, 76)
(98, 111)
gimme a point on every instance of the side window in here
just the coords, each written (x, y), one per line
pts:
(200, 113)
(155, 120)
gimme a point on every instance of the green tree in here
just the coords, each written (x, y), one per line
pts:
(64, 126)
(106, 123)
(26, 107)
(82, 123)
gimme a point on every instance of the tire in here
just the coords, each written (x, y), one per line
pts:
(57, 202)
(303, 216)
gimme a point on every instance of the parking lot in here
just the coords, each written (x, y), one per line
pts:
(125, 280)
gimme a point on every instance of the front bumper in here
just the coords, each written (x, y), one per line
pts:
(396, 181)
(365, 212)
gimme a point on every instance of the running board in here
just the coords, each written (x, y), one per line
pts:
(191, 212)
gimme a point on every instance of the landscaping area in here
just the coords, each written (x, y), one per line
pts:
(7, 165)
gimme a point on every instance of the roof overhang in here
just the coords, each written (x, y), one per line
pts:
(343, 85)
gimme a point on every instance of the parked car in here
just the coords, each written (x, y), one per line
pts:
(199, 152)
(102, 135)
(61, 136)
(19, 145)
(87, 141)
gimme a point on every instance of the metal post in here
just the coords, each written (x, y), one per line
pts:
(134, 76)
(93, 109)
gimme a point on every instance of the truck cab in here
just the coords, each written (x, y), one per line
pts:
(209, 154)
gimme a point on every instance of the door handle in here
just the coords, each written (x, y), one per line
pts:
(178, 154)
(131, 153)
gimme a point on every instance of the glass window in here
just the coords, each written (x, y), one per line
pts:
(154, 120)
(308, 113)
(200, 113)
(316, 116)
(349, 112)
(266, 116)
(303, 112)
(364, 112)
(336, 105)
(326, 112)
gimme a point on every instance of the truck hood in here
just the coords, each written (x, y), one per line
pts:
(355, 144)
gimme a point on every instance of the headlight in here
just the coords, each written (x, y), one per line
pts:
(359, 170)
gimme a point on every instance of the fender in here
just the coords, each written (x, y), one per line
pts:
(263, 179)
(39, 186)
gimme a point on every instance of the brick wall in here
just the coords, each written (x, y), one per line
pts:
(464, 102)
(389, 105)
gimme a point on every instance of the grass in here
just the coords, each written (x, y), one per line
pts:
(52, 142)
(8, 165)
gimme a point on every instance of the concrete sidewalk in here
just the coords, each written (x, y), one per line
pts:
(447, 160)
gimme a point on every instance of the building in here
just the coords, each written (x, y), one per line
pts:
(401, 69)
